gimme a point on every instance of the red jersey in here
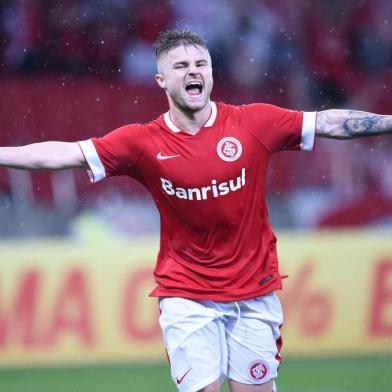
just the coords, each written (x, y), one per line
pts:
(216, 239)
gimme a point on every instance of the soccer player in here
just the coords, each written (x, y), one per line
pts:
(205, 165)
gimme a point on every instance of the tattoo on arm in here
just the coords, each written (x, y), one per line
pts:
(348, 124)
(364, 126)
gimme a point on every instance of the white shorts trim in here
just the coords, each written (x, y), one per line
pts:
(308, 131)
(97, 170)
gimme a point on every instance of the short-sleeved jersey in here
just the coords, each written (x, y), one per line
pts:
(216, 239)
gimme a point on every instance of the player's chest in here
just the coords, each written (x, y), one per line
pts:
(212, 155)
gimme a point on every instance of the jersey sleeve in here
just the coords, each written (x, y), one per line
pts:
(280, 129)
(114, 154)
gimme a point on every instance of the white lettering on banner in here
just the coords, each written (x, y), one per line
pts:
(213, 190)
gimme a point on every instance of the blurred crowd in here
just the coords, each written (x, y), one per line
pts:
(316, 51)
(309, 55)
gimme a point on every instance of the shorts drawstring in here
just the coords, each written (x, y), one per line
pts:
(239, 313)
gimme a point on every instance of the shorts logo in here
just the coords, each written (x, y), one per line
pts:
(229, 149)
(181, 379)
(258, 370)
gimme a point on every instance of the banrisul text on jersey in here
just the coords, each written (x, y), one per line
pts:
(205, 192)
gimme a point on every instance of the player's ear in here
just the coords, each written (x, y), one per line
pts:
(160, 80)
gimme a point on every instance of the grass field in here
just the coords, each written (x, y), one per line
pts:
(368, 374)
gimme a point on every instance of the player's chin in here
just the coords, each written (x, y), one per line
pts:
(195, 102)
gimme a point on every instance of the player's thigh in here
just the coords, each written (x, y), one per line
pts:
(235, 386)
(213, 387)
(196, 363)
(194, 350)
(253, 340)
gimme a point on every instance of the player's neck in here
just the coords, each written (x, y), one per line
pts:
(190, 122)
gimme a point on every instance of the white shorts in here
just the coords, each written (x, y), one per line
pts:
(208, 341)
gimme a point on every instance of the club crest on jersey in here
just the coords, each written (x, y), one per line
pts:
(258, 370)
(229, 149)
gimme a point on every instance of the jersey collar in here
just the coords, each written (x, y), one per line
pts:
(210, 122)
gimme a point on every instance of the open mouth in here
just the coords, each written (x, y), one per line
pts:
(194, 88)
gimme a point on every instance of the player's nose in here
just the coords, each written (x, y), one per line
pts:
(193, 70)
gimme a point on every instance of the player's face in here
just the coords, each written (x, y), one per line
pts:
(186, 75)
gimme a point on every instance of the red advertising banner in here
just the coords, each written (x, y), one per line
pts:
(62, 302)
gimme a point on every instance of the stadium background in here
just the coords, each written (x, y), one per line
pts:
(76, 259)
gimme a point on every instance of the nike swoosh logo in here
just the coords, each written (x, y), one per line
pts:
(180, 380)
(162, 157)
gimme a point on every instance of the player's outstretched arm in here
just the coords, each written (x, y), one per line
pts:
(349, 124)
(43, 156)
